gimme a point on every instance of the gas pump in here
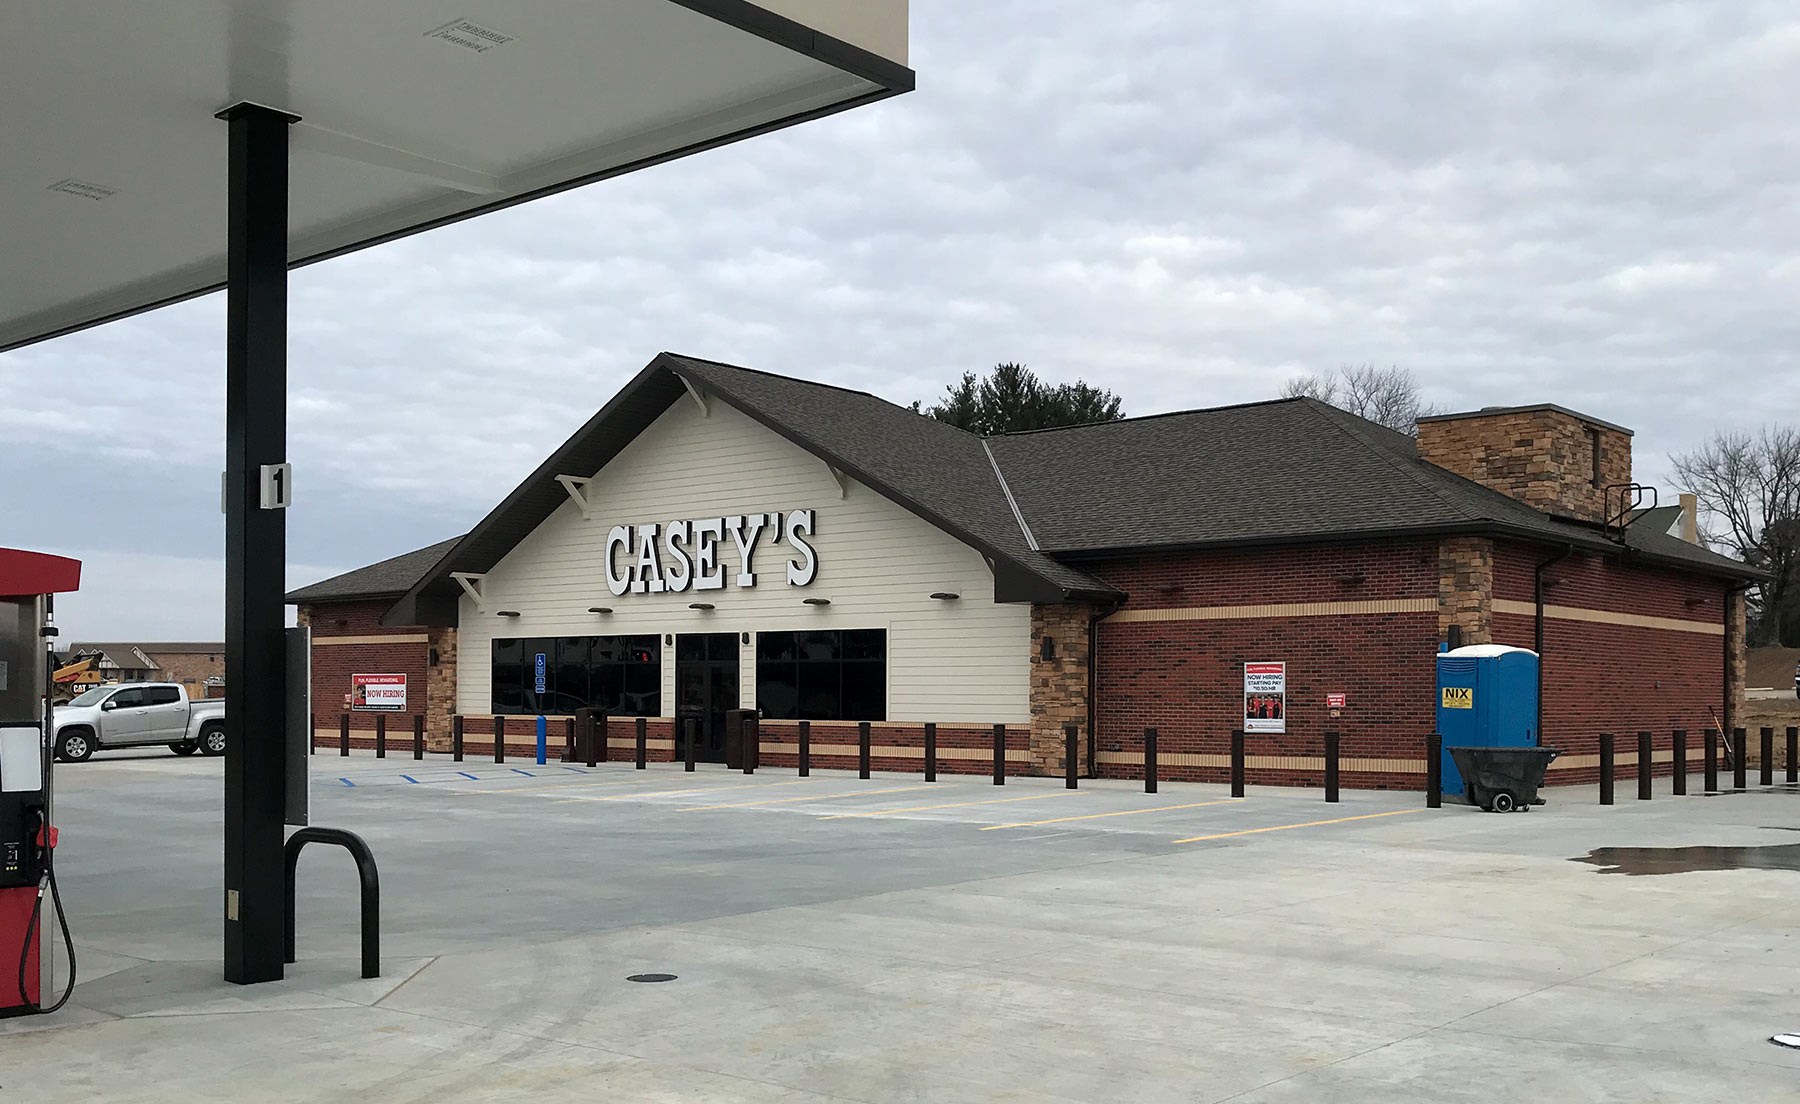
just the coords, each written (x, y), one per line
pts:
(29, 582)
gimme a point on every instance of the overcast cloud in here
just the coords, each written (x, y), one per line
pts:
(1591, 204)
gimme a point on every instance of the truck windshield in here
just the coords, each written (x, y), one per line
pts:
(90, 697)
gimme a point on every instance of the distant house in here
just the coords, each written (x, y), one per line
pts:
(198, 666)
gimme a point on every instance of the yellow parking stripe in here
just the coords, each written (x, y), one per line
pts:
(954, 805)
(791, 800)
(1283, 827)
(690, 790)
(1122, 812)
(556, 788)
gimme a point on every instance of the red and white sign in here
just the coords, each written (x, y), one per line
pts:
(1334, 701)
(378, 693)
(1265, 697)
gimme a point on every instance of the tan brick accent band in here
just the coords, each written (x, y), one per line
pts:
(1607, 617)
(878, 751)
(1279, 609)
(1265, 762)
(396, 638)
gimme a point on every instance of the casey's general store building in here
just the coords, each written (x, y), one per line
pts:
(718, 538)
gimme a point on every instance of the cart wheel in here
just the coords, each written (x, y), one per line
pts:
(1504, 803)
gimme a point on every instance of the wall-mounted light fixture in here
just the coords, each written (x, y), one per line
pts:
(1047, 648)
(1699, 602)
(945, 596)
(700, 605)
(816, 601)
(1553, 581)
(1351, 578)
(744, 638)
(433, 657)
(599, 609)
(1169, 588)
(668, 638)
(506, 613)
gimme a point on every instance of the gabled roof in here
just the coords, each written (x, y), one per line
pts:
(938, 472)
(1272, 472)
(388, 579)
(123, 657)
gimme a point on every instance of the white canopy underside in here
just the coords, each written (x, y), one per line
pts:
(113, 176)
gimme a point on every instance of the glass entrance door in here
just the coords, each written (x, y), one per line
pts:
(706, 685)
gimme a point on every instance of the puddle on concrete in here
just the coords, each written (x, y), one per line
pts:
(1682, 860)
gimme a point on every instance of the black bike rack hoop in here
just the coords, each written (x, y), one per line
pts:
(371, 890)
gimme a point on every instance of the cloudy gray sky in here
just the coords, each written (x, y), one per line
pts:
(1592, 204)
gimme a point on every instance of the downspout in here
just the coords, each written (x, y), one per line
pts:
(1537, 584)
(1093, 706)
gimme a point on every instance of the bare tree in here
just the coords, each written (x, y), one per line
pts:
(1749, 491)
(1388, 396)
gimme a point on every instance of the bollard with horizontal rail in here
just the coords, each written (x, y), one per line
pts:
(418, 735)
(693, 740)
(456, 738)
(1237, 762)
(805, 749)
(1071, 734)
(862, 749)
(499, 738)
(1149, 760)
(1606, 768)
(931, 751)
(1793, 755)
(381, 735)
(747, 737)
(1766, 769)
(1331, 767)
(999, 755)
(1740, 779)
(569, 753)
(1644, 768)
(641, 732)
(344, 734)
(1710, 761)
(1678, 770)
(1434, 771)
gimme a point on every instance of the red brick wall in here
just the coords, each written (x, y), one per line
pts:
(1616, 678)
(333, 664)
(1185, 678)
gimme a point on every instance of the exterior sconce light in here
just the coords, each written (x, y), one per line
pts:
(816, 601)
(1169, 588)
(1699, 602)
(1351, 578)
(744, 638)
(945, 596)
(700, 605)
(507, 613)
(1047, 648)
(433, 655)
(599, 609)
(668, 638)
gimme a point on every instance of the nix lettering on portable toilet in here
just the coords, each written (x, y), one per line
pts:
(1487, 696)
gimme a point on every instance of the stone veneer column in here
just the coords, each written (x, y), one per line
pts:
(1059, 685)
(1466, 588)
(1736, 662)
(440, 683)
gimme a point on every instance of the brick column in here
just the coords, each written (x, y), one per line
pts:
(1466, 588)
(1059, 685)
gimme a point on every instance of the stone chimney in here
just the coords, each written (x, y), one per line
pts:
(1690, 516)
(1552, 459)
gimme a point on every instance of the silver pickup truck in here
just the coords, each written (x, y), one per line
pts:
(137, 714)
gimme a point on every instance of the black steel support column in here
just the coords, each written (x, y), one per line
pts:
(255, 542)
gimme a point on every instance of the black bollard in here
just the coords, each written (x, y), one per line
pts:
(499, 738)
(1678, 770)
(1237, 762)
(344, 734)
(584, 736)
(693, 738)
(862, 749)
(1149, 760)
(1793, 755)
(1644, 767)
(1740, 779)
(381, 735)
(643, 743)
(418, 735)
(1711, 761)
(805, 749)
(1071, 733)
(931, 751)
(999, 755)
(1434, 771)
(570, 751)
(748, 737)
(456, 738)
(1606, 768)
(1766, 769)
(1331, 766)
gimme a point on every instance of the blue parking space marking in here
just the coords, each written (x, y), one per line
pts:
(411, 779)
(347, 782)
(577, 770)
(526, 773)
(472, 777)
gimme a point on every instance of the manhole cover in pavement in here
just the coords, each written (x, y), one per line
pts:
(651, 977)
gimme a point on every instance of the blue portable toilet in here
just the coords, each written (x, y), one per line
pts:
(1487, 697)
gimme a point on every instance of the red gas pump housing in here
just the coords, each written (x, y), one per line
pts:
(28, 580)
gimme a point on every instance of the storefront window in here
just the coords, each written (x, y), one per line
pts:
(822, 676)
(619, 674)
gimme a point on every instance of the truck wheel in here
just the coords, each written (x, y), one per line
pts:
(212, 740)
(75, 747)
(184, 748)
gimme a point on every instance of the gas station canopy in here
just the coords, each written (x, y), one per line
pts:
(113, 194)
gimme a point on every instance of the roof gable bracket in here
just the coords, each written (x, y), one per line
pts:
(577, 487)
(698, 395)
(842, 481)
(473, 584)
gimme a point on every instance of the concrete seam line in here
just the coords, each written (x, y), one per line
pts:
(958, 804)
(815, 797)
(1308, 824)
(1121, 812)
(673, 793)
